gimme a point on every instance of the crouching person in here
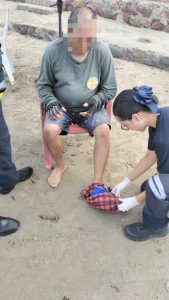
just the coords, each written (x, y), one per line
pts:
(136, 109)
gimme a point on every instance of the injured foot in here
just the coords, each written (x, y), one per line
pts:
(56, 176)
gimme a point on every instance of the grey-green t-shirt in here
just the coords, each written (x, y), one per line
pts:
(71, 82)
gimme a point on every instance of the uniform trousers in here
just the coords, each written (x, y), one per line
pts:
(157, 201)
(8, 173)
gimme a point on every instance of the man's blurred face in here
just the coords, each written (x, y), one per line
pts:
(80, 35)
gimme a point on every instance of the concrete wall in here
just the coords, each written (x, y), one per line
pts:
(148, 14)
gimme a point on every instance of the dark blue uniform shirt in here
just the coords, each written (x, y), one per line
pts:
(159, 141)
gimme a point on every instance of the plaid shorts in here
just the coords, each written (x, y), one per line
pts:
(89, 123)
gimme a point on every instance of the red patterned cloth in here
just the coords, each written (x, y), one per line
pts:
(105, 201)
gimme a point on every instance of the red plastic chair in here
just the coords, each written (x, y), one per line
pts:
(73, 129)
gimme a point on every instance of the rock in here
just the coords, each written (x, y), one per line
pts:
(114, 16)
(23, 29)
(116, 5)
(136, 21)
(129, 11)
(32, 32)
(147, 12)
(126, 18)
(157, 12)
(22, 7)
(152, 59)
(166, 28)
(36, 32)
(139, 53)
(164, 60)
(99, 11)
(146, 23)
(164, 21)
(156, 25)
(107, 13)
(140, 8)
(36, 9)
(125, 10)
(117, 51)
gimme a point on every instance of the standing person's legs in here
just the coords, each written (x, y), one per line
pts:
(8, 173)
(101, 151)
(155, 220)
(9, 176)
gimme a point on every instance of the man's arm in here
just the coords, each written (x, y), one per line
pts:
(45, 83)
(108, 86)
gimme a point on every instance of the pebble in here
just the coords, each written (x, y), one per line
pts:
(167, 286)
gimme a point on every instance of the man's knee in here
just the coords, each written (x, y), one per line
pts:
(51, 132)
(102, 131)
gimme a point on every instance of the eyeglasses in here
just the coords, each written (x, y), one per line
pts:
(124, 127)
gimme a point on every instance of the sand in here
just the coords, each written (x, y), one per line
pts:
(83, 255)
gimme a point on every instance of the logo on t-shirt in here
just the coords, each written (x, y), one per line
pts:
(92, 83)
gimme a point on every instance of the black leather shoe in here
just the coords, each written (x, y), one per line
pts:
(25, 173)
(140, 232)
(8, 226)
(143, 186)
(6, 191)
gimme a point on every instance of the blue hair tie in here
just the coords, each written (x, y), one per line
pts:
(144, 97)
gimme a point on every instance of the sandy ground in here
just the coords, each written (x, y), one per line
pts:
(83, 256)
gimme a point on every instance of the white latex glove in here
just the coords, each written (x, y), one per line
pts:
(120, 186)
(127, 204)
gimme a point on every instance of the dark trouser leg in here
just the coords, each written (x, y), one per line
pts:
(157, 201)
(155, 220)
(8, 173)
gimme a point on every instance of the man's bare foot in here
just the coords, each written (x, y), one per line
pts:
(55, 177)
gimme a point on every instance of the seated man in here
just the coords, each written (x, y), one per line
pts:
(9, 176)
(76, 81)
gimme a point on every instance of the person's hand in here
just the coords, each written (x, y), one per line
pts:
(116, 190)
(91, 106)
(127, 204)
(55, 110)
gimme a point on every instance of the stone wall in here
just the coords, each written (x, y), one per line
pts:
(148, 14)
